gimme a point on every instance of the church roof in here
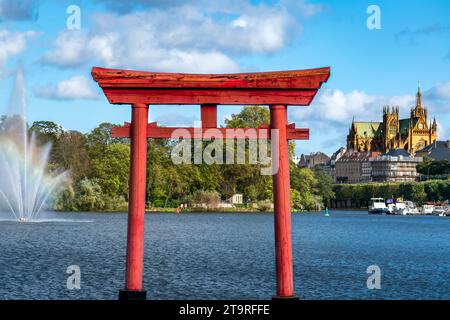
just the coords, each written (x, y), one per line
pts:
(440, 154)
(352, 156)
(373, 129)
(439, 150)
(434, 145)
(369, 129)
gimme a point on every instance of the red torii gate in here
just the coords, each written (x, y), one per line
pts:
(141, 89)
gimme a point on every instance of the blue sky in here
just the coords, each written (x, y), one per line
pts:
(370, 68)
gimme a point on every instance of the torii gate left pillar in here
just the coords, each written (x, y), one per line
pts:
(276, 89)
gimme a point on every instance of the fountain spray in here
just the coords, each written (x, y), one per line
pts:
(25, 185)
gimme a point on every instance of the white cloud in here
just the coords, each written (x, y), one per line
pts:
(127, 6)
(77, 87)
(152, 40)
(339, 107)
(75, 48)
(303, 7)
(442, 131)
(438, 97)
(441, 91)
(13, 43)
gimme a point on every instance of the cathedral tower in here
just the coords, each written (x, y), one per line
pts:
(391, 127)
(412, 134)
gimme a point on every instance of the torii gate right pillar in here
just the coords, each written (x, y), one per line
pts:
(282, 205)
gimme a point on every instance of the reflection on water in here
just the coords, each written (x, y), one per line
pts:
(228, 256)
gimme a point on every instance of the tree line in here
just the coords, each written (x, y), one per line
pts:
(419, 192)
(99, 169)
(430, 167)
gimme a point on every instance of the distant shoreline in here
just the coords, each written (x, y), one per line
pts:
(228, 210)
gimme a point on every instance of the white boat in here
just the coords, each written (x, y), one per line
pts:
(411, 207)
(427, 209)
(377, 206)
(390, 208)
(401, 208)
(440, 211)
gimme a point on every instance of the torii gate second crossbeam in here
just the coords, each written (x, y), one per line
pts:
(276, 89)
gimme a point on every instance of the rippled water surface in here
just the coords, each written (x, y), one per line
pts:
(228, 256)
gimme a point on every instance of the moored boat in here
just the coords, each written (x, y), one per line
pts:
(390, 208)
(390, 205)
(377, 206)
(427, 209)
(411, 207)
(440, 211)
(401, 208)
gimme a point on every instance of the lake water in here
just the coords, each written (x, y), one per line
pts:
(228, 256)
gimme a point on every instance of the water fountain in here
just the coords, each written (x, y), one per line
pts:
(26, 186)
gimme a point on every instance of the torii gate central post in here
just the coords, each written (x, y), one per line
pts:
(276, 89)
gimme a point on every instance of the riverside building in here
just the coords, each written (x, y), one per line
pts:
(394, 166)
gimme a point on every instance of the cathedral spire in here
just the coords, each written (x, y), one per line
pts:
(418, 98)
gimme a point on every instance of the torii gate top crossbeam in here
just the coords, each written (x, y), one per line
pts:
(296, 87)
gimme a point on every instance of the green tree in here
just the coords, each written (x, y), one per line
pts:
(112, 168)
(296, 200)
(205, 199)
(70, 153)
(100, 138)
(433, 167)
(89, 195)
(304, 181)
(324, 185)
(47, 131)
(247, 178)
(249, 117)
(65, 199)
(413, 191)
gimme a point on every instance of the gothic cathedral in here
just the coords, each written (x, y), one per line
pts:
(412, 134)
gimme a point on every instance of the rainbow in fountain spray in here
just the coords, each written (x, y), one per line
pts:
(26, 186)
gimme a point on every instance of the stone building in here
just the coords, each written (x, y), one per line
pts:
(354, 167)
(313, 159)
(412, 134)
(394, 166)
(237, 198)
(330, 168)
(338, 154)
